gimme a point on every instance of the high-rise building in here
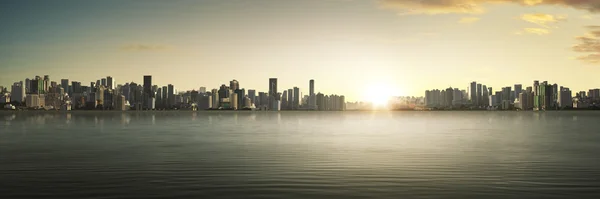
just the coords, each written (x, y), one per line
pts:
(273, 87)
(263, 99)
(17, 92)
(110, 82)
(312, 98)
(290, 99)
(506, 94)
(544, 99)
(273, 97)
(148, 85)
(171, 96)
(35, 101)
(104, 83)
(252, 96)
(27, 85)
(479, 95)
(284, 100)
(147, 92)
(484, 101)
(76, 87)
(240, 93)
(449, 97)
(296, 98)
(121, 103)
(234, 85)
(223, 91)
(202, 89)
(215, 99)
(565, 98)
(473, 93)
(234, 101)
(311, 85)
(46, 84)
(536, 85)
(165, 97)
(518, 90)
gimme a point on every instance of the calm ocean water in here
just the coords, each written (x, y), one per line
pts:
(300, 155)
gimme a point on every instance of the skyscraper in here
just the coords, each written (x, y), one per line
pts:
(171, 96)
(565, 98)
(518, 90)
(252, 96)
(64, 83)
(473, 93)
(110, 82)
(311, 85)
(296, 97)
(479, 95)
(17, 92)
(148, 85)
(240, 93)
(46, 83)
(284, 100)
(234, 85)
(27, 85)
(165, 97)
(312, 98)
(273, 97)
(290, 98)
(104, 83)
(484, 101)
(215, 99)
(273, 87)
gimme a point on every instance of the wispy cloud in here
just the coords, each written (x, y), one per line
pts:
(476, 6)
(144, 47)
(590, 44)
(468, 20)
(543, 19)
(535, 31)
(587, 17)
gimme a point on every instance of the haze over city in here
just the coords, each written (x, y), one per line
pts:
(350, 47)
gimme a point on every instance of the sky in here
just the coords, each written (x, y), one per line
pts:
(349, 47)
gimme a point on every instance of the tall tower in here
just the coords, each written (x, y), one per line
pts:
(273, 88)
(290, 98)
(46, 84)
(473, 93)
(312, 99)
(479, 94)
(148, 85)
(110, 84)
(296, 97)
(311, 86)
(234, 85)
(64, 83)
(170, 95)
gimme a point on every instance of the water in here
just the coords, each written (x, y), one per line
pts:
(300, 155)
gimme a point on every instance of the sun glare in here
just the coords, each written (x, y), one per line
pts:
(378, 94)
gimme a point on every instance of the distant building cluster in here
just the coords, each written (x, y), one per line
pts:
(105, 94)
(539, 96)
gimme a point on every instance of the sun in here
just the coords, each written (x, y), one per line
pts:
(378, 93)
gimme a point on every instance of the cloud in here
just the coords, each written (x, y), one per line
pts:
(590, 44)
(476, 6)
(468, 20)
(144, 47)
(587, 17)
(536, 31)
(542, 19)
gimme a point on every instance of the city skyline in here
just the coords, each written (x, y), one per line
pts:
(351, 47)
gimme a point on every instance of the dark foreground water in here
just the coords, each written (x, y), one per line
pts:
(300, 155)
